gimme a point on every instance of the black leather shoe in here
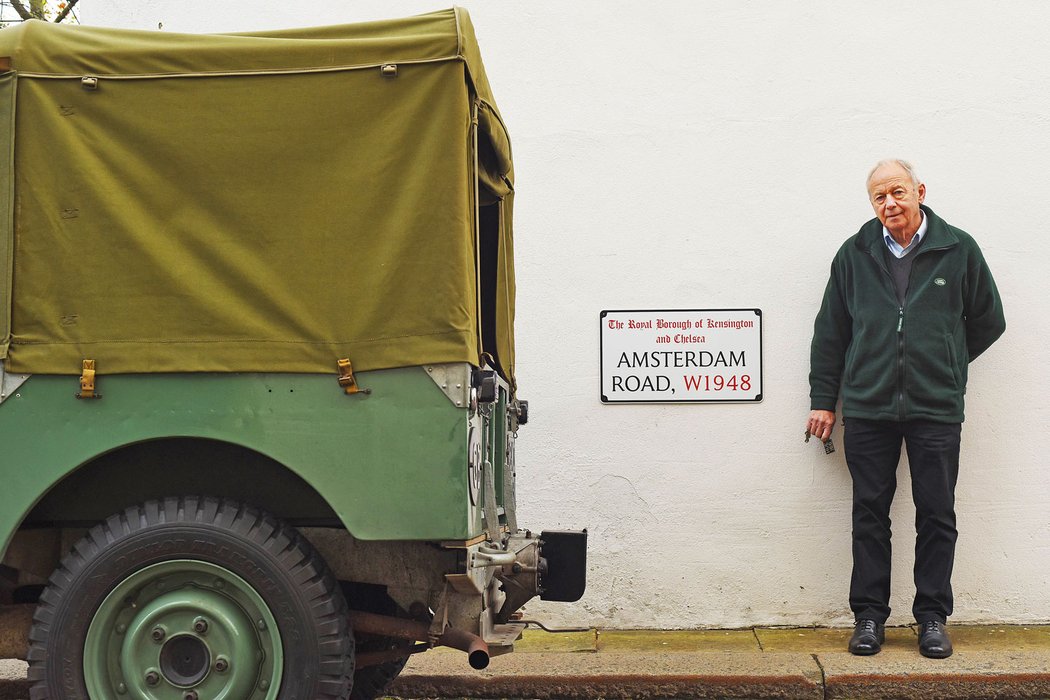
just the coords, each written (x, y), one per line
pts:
(934, 642)
(867, 638)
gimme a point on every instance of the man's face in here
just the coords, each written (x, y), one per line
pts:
(896, 200)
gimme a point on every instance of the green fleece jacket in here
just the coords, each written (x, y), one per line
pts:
(907, 362)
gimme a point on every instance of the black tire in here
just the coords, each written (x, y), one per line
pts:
(372, 681)
(267, 572)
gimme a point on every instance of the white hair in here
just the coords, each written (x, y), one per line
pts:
(908, 167)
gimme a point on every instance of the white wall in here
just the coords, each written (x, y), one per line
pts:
(712, 155)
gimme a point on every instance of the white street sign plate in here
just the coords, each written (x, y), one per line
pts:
(681, 356)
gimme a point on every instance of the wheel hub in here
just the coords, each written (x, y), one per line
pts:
(185, 661)
(183, 629)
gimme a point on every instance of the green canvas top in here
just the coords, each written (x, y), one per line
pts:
(269, 201)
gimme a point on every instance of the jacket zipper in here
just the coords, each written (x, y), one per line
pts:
(900, 321)
(900, 351)
(900, 327)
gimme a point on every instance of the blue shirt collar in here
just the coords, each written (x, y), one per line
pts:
(896, 248)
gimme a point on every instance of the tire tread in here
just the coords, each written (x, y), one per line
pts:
(277, 540)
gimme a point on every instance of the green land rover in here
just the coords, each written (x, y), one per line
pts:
(257, 392)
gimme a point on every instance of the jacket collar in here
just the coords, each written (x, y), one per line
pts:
(938, 234)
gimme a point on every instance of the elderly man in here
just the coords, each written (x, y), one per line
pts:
(910, 303)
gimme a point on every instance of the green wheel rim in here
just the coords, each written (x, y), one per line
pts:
(180, 630)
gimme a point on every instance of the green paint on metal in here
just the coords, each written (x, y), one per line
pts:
(499, 444)
(392, 464)
(182, 625)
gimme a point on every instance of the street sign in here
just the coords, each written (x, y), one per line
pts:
(681, 356)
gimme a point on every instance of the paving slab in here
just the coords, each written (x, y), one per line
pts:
(677, 640)
(991, 662)
(821, 639)
(905, 675)
(538, 640)
(627, 675)
(989, 637)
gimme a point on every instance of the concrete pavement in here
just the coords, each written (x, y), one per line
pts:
(990, 661)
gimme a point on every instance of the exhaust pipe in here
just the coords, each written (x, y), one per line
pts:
(476, 648)
(385, 626)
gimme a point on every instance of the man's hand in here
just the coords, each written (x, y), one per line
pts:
(820, 424)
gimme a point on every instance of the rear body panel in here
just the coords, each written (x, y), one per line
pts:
(392, 464)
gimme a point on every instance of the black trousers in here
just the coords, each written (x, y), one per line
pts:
(873, 451)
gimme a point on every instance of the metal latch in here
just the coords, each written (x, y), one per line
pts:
(89, 82)
(389, 70)
(347, 379)
(87, 382)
